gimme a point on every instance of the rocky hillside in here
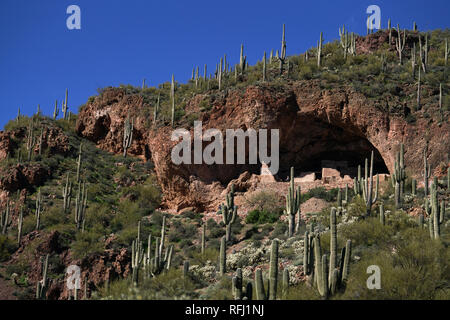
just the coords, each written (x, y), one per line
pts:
(72, 192)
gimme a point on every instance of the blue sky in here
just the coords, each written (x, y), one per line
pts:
(122, 42)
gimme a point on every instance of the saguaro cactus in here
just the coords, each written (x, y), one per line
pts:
(367, 188)
(56, 111)
(5, 219)
(79, 162)
(273, 271)
(127, 135)
(31, 139)
(64, 106)
(400, 43)
(399, 177)
(237, 291)
(319, 49)
(80, 206)
(259, 286)
(137, 255)
(437, 213)
(67, 194)
(42, 285)
(333, 243)
(203, 238)
(242, 60)
(223, 257)
(285, 284)
(382, 217)
(447, 50)
(229, 212)
(292, 204)
(172, 96)
(426, 171)
(19, 226)
(264, 67)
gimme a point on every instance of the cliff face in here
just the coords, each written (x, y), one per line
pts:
(314, 124)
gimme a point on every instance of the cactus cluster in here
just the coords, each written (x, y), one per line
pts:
(272, 284)
(327, 279)
(364, 186)
(348, 42)
(237, 291)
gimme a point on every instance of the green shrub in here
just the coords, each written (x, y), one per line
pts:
(7, 247)
(261, 217)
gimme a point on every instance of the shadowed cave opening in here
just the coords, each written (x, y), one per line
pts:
(309, 145)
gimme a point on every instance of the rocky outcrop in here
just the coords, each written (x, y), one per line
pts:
(315, 124)
(23, 176)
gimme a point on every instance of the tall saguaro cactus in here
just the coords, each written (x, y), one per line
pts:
(31, 139)
(19, 226)
(319, 49)
(42, 285)
(399, 177)
(223, 257)
(172, 96)
(426, 171)
(5, 219)
(229, 212)
(137, 255)
(127, 135)
(292, 204)
(273, 271)
(367, 188)
(79, 162)
(64, 106)
(67, 194)
(400, 43)
(437, 213)
(80, 206)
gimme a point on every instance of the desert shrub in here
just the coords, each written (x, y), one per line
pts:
(322, 193)
(7, 247)
(368, 232)
(221, 290)
(279, 231)
(197, 257)
(261, 217)
(214, 229)
(167, 286)
(268, 201)
(415, 268)
(86, 243)
(180, 231)
(301, 291)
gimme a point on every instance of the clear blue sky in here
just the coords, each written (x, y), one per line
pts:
(122, 42)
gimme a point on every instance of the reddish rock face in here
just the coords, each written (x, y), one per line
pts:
(315, 124)
(23, 176)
